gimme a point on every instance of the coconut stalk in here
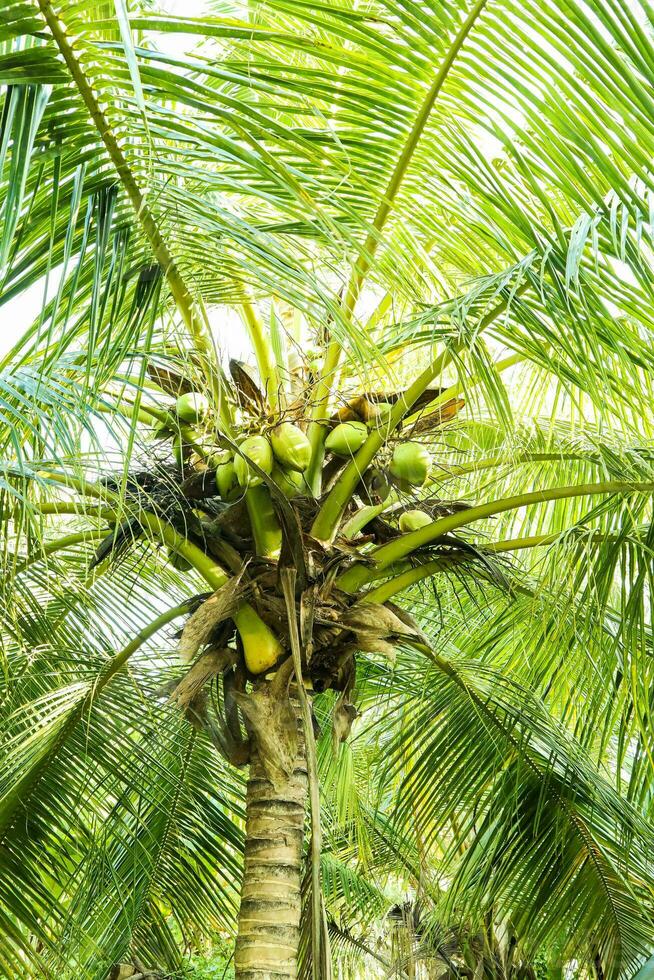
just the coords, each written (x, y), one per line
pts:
(405, 545)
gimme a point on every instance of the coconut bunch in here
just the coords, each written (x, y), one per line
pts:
(275, 445)
(390, 498)
(245, 494)
(401, 469)
(267, 453)
(261, 445)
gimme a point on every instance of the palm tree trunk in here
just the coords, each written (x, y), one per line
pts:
(269, 917)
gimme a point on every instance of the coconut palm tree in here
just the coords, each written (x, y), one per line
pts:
(426, 494)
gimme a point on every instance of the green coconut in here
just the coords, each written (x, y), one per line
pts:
(375, 485)
(290, 482)
(346, 438)
(413, 520)
(380, 415)
(192, 407)
(225, 477)
(259, 450)
(218, 456)
(291, 447)
(410, 464)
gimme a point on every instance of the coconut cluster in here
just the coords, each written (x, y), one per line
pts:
(281, 450)
(249, 495)
(283, 453)
(223, 496)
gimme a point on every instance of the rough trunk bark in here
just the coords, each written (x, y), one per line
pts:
(269, 917)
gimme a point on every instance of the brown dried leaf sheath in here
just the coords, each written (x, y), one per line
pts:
(375, 619)
(170, 381)
(210, 664)
(342, 719)
(218, 607)
(437, 418)
(247, 390)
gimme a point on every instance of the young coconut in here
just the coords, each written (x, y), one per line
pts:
(413, 520)
(261, 647)
(347, 438)
(290, 482)
(410, 464)
(381, 411)
(374, 486)
(192, 407)
(225, 477)
(258, 449)
(291, 447)
(218, 456)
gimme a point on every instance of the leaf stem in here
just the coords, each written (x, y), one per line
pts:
(215, 576)
(543, 540)
(212, 573)
(60, 544)
(404, 580)
(459, 387)
(445, 472)
(399, 548)
(263, 353)
(367, 252)
(407, 574)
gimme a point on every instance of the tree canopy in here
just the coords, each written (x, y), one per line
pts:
(391, 196)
